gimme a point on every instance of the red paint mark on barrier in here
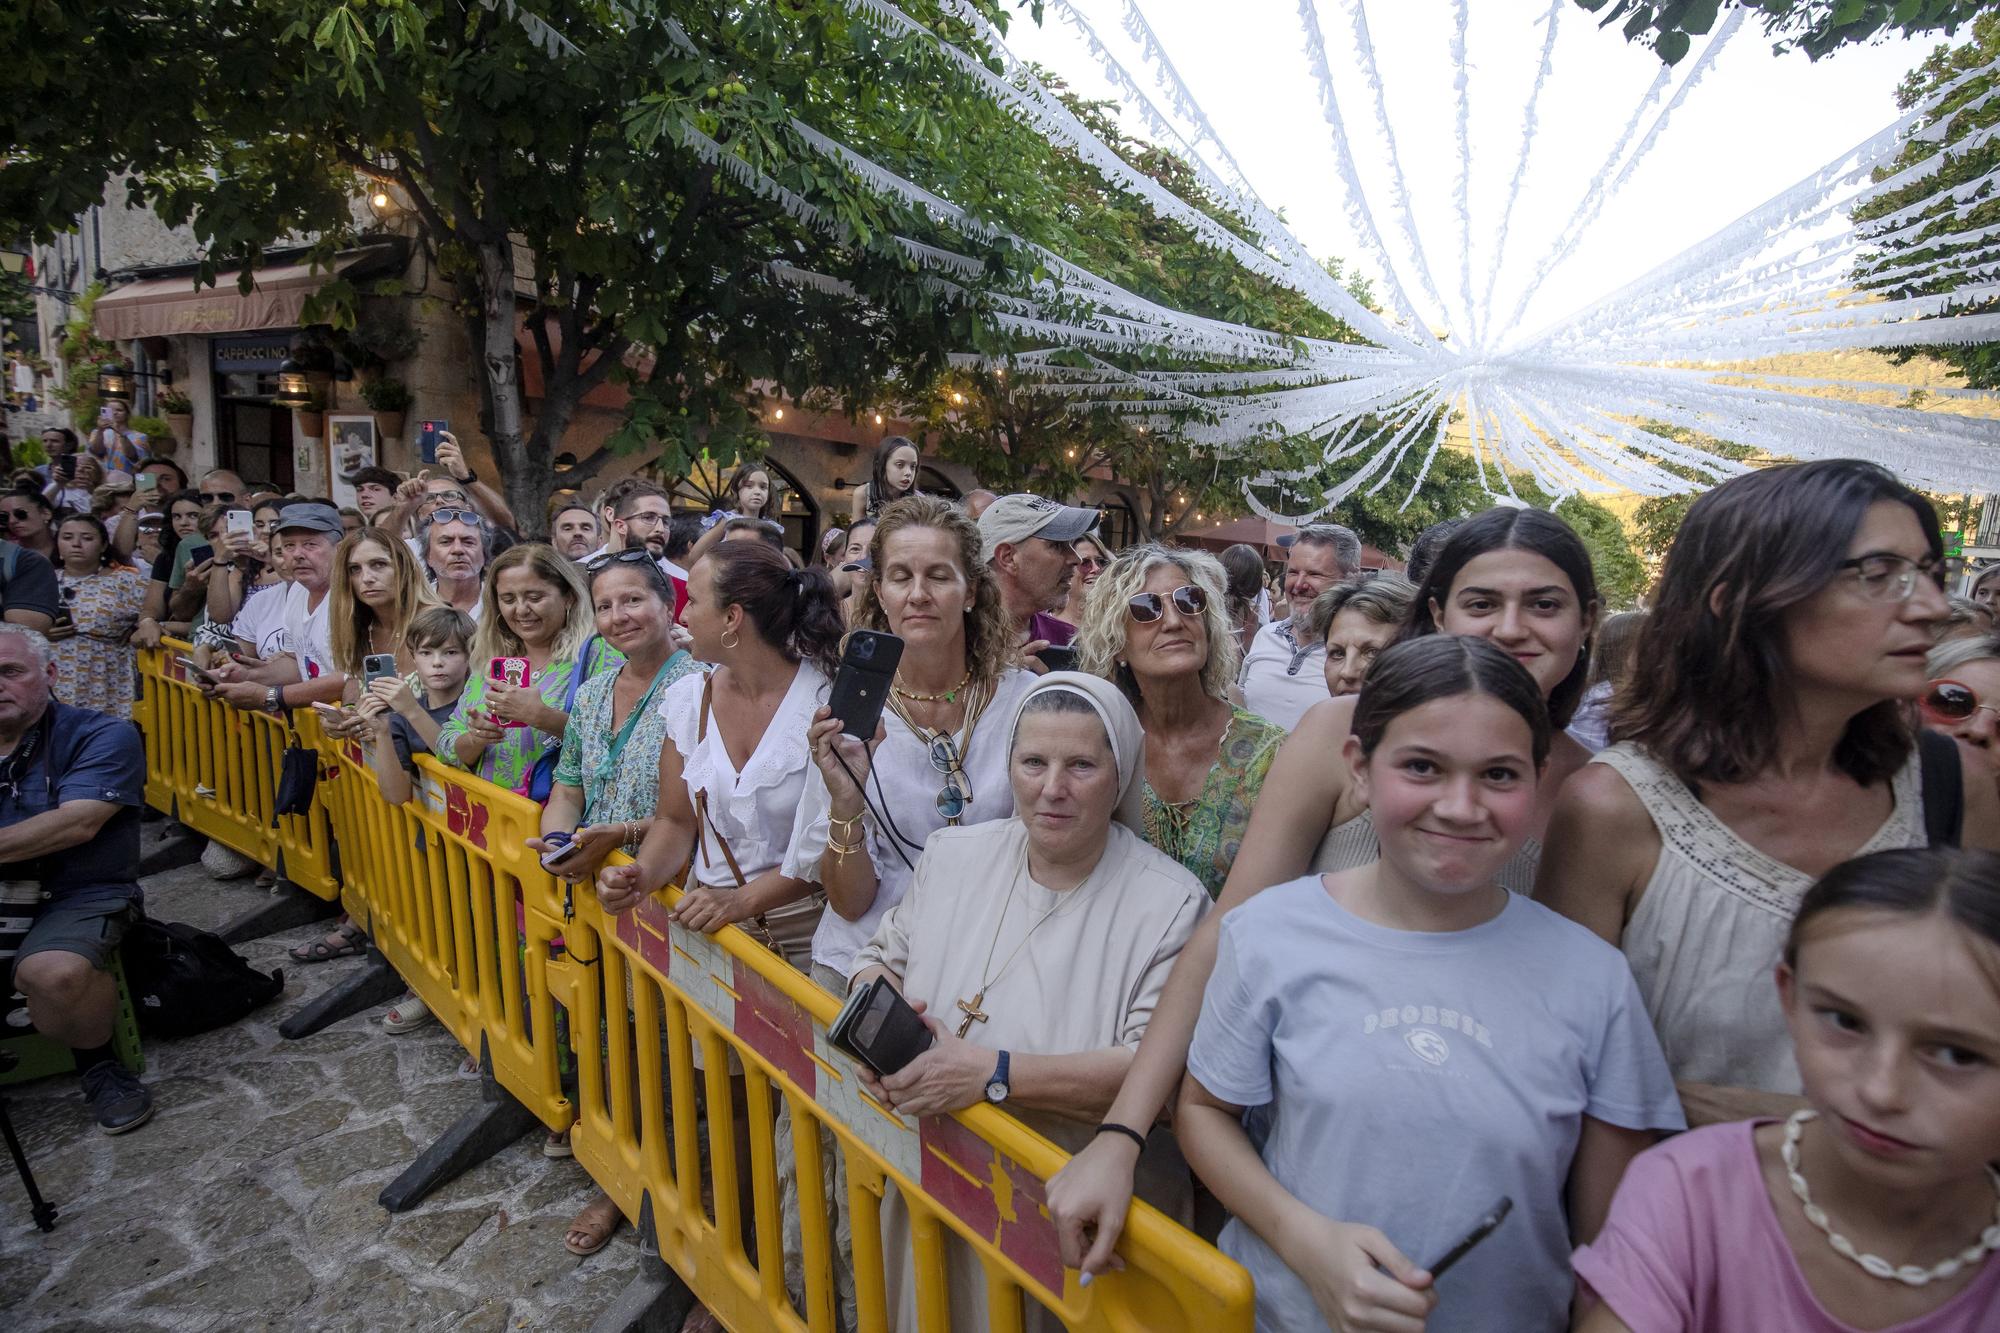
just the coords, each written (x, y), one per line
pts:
(994, 1196)
(775, 1027)
(644, 931)
(464, 818)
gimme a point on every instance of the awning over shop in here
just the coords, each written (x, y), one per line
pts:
(164, 307)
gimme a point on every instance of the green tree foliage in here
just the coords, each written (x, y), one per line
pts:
(1014, 434)
(1816, 27)
(1945, 236)
(577, 166)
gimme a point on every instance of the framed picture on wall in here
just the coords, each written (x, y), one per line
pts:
(354, 445)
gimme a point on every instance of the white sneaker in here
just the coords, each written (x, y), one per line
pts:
(226, 863)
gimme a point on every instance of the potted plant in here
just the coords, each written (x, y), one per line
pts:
(388, 399)
(312, 417)
(178, 409)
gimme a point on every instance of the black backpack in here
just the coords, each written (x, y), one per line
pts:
(185, 980)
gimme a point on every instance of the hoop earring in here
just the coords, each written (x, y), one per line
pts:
(727, 643)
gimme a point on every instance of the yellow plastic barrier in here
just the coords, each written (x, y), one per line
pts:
(465, 913)
(216, 767)
(979, 1175)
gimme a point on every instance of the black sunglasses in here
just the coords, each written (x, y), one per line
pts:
(15, 513)
(1147, 607)
(604, 562)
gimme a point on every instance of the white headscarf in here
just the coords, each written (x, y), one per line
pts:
(1121, 729)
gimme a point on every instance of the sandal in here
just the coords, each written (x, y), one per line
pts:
(407, 1014)
(556, 1145)
(352, 940)
(593, 1226)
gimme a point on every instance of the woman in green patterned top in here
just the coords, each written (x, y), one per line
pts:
(535, 606)
(1156, 626)
(607, 780)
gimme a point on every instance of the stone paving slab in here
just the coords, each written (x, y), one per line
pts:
(248, 1202)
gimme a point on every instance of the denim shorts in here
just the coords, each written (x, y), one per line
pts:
(90, 921)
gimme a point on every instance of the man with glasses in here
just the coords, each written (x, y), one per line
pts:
(1284, 673)
(455, 550)
(71, 786)
(459, 486)
(641, 518)
(1026, 542)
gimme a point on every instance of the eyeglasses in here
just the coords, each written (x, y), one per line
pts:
(1150, 606)
(14, 514)
(647, 516)
(956, 793)
(1947, 703)
(454, 516)
(1892, 578)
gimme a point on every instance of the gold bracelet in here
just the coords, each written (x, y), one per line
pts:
(833, 821)
(840, 850)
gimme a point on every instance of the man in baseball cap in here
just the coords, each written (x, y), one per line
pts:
(1026, 542)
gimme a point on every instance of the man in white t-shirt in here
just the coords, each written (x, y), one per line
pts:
(1281, 676)
(307, 536)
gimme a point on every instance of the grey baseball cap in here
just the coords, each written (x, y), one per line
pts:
(311, 518)
(1015, 518)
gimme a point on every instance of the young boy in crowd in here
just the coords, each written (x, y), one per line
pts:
(440, 639)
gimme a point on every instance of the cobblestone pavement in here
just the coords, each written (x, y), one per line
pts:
(249, 1202)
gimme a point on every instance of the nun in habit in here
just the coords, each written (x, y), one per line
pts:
(1036, 948)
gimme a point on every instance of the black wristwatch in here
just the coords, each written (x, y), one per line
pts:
(996, 1087)
(468, 479)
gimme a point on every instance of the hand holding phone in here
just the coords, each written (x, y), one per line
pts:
(194, 669)
(557, 846)
(861, 686)
(878, 1027)
(1481, 1229)
(427, 439)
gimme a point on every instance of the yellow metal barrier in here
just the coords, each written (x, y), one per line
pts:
(465, 913)
(979, 1175)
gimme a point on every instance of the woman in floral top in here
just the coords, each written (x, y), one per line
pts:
(607, 781)
(537, 608)
(1157, 625)
(103, 602)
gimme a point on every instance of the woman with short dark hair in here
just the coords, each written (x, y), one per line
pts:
(1766, 736)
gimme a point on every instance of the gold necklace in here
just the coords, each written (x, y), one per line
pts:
(949, 696)
(972, 1008)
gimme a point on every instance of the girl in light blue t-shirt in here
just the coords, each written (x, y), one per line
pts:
(1419, 1043)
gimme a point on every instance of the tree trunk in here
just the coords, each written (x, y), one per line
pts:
(523, 481)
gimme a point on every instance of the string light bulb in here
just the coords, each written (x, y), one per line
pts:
(778, 415)
(878, 418)
(379, 199)
(957, 397)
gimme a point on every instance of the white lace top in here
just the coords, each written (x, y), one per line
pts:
(753, 808)
(1353, 843)
(1712, 925)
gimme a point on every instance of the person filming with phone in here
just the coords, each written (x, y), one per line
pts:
(307, 537)
(1034, 949)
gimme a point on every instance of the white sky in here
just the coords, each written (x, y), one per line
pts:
(1755, 125)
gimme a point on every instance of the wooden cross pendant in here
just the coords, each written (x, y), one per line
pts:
(970, 1008)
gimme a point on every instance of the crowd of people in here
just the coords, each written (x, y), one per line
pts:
(1329, 917)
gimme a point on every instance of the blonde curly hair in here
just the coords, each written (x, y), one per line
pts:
(989, 635)
(1101, 640)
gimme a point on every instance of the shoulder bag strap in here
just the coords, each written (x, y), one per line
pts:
(1944, 787)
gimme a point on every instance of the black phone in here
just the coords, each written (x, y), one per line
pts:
(197, 554)
(1480, 1231)
(877, 1027)
(66, 467)
(427, 438)
(861, 686)
(1058, 658)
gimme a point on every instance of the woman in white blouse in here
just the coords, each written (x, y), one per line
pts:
(939, 758)
(735, 769)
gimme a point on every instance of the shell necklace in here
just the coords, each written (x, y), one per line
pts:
(1874, 1265)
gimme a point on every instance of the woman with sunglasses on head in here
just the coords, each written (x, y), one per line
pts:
(1091, 560)
(938, 759)
(1519, 577)
(31, 523)
(1811, 590)
(1963, 697)
(1158, 631)
(183, 519)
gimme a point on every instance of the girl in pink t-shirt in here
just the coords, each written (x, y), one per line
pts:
(1874, 1208)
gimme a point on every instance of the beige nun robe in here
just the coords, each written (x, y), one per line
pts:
(1086, 980)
